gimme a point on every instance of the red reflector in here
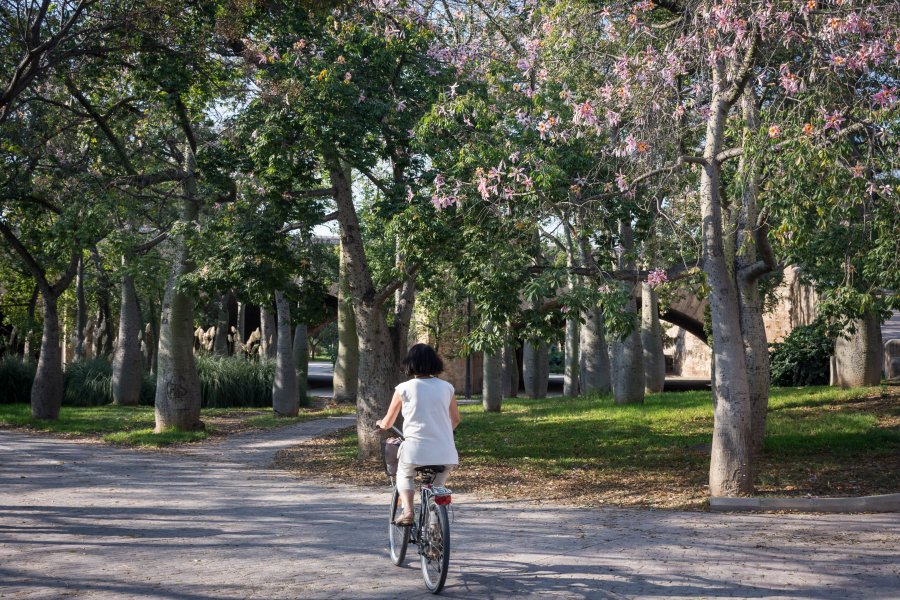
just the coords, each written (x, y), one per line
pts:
(443, 500)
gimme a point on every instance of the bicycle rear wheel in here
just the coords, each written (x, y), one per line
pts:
(397, 536)
(434, 545)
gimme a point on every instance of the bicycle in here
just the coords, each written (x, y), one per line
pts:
(430, 530)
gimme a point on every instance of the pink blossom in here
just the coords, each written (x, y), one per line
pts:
(884, 97)
(657, 277)
(774, 131)
(834, 121)
(622, 181)
(857, 170)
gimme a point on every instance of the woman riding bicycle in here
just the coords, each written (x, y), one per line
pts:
(430, 414)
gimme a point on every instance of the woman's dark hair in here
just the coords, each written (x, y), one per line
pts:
(422, 360)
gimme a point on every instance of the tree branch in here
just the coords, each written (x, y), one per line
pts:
(743, 73)
(382, 296)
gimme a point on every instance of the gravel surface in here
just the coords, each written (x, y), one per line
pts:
(214, 521)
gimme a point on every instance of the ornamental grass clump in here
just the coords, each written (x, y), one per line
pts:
(87, 383)
(235, 381)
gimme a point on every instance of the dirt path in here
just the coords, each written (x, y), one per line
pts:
(89, 521)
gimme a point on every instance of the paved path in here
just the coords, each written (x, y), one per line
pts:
(88, 521)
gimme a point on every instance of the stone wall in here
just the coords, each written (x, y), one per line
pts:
(445, 332)
(796, 305)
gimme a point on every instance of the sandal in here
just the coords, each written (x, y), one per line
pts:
(405, 520)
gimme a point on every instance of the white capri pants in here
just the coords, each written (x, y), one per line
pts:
(406, 476)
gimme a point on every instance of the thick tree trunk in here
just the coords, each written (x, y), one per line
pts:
(628, 353)
(748, 239)
(378, 361)
(858, 356)
(268, 333)
(80, 313)
(346, 368)
(492, 381)
(572, 361)
(285, 401)
(220, 344)
(379, 374)
(178, 398)
(510, 371)
(47, 389)
(535, 369)
(301, 362)
(651, 341)
(595, 372)
(730, 472)
(127, 371)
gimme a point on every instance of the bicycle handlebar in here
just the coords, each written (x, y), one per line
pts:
(393, 428)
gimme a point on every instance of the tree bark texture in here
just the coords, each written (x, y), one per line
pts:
(492, 381)
(301, 362)
(595, 371)
(80, 313)
(268, 331)
(730, 472)
(535, 369)
(572, 361)
(510, 371)
(178, 400)
(345, 380)
(628, 354)
(47, 389)
(379, 361)
(651, 342)
(220, 344)
(858, 356)
(753, 329)
(127, 368)
(285, 401)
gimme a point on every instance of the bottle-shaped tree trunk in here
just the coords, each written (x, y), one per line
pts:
(572, 360)
(379, 357)
(220, 344)
(535, 369)
(301, 363)
(492, 381)
(510, 371)
(47, 389)
(858, 354)
(651, 341)
(177, 404)
(127, 368)
(731, 458)
(595, 371)
(284, 387)
(750, 241)
(241, 334)
(81, 316)
(346, 368)
(268, 331)
(628, 353)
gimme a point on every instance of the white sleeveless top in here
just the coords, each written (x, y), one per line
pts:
(426, 422)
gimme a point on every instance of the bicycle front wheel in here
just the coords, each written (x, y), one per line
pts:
(398, 537)
(434, 545)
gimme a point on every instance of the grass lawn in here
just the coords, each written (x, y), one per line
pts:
(133, 425)
(820, 441)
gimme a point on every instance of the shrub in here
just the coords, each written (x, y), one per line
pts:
(224, 382)
(803, 357)
(16, 376)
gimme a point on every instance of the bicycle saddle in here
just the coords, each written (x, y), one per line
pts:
(430, 469)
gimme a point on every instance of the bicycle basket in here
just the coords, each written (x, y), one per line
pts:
(390, 450)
